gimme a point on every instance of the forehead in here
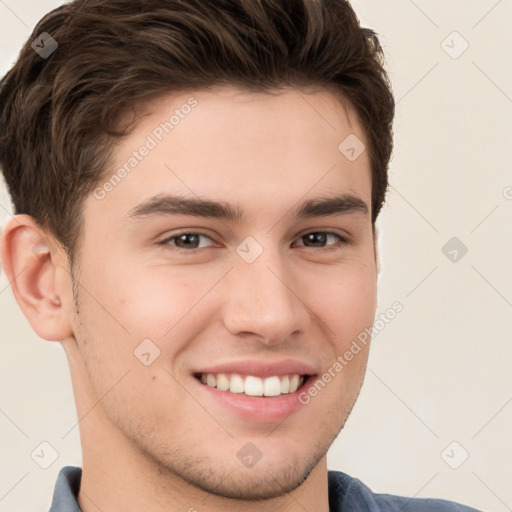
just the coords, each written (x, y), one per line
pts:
(229, 145)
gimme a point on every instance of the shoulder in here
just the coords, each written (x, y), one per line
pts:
(349, 493)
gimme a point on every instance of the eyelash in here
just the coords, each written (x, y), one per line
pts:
(166, 245)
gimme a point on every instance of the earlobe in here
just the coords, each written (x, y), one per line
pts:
(30, 260)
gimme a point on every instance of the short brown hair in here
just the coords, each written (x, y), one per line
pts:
(59, 115)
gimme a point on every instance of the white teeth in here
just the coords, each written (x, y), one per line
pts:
(272, 386)
(236, 384)
(285, 384)
(222, 382)
(294, 383)
(253, 386)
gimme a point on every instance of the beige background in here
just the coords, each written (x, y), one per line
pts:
(441, 370)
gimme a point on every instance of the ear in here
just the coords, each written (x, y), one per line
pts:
(376, 248)
(32, 261)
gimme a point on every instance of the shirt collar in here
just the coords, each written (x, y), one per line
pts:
(68, 485)
(66, 490)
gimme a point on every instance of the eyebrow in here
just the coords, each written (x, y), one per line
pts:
(166, 204)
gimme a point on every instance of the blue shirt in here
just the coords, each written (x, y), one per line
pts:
(346, 494)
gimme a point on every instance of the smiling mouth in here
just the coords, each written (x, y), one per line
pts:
(251, 385)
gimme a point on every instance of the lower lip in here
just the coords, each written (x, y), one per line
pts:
(258, 409)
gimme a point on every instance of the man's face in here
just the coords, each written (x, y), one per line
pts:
(269, 296)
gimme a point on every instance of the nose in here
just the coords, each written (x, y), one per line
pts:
(263, 301)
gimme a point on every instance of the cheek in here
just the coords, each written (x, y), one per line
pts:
(345, 298)
(148, 303)
(122, 320)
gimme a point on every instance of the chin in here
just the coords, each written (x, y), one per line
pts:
(258, 483)
(276, 473)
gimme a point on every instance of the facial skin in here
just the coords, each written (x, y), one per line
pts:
(154, 437)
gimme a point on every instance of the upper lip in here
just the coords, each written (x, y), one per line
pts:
(261, 368)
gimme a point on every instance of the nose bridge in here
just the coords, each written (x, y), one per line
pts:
(261, 299)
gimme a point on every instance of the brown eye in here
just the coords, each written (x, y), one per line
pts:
(189, 241)
(320, 238)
